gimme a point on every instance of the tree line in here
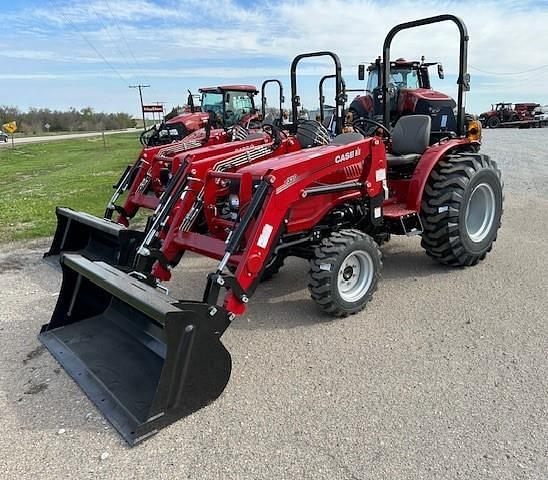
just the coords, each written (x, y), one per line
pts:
(36, 120)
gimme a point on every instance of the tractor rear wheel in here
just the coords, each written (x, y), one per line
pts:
(344, 272)
(493, 122)
(462, 209)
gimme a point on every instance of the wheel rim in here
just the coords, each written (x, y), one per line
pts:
(355, 276)
(480, 212)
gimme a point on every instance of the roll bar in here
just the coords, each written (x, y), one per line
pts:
(263, 97)
(463, 80)
(339, 95)
(322, 96)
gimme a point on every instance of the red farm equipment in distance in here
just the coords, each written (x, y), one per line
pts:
(147, 359)
(521, 115)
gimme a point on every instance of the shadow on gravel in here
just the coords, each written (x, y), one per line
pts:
(284, 301)
(408, 264)
(13, 264)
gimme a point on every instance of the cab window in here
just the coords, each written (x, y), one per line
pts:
(404, 78)
(239, 103)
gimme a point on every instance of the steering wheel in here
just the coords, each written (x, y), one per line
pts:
(367, 132)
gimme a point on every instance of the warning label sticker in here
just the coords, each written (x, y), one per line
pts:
(265, 236)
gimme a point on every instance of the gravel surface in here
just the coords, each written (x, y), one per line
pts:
(443, 376)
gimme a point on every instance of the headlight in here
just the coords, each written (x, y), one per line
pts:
(234, 202)
(473, 130)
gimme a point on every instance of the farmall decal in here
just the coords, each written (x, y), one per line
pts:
(344, 157)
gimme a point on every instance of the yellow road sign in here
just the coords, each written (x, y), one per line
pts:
(10, 127)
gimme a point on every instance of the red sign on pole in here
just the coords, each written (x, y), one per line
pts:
(153, 108)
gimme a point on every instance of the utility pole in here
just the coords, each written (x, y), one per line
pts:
(140, 87)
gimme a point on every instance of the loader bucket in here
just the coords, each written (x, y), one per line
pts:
(144, 358)
(93, 237)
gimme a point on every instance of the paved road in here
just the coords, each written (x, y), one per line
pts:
(443, 376)
(68, 136)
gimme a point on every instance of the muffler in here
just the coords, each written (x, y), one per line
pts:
(93, 237)
(144, 358)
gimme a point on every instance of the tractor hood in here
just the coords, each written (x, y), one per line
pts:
(425, 94)
(412, 99)
(192, 121)
(271, 166)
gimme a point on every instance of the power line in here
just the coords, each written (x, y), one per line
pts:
(105, 26)
(124, 38)
(509, 73)
(99, 54)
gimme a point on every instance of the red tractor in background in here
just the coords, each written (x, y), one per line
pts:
(409, 92)
(229, 105)
(147, 359)
(508, 115)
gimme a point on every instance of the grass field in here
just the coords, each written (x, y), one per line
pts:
(34, 179)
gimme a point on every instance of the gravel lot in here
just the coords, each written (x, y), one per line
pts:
(443, 376)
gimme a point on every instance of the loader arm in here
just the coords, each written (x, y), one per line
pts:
(146, 180)
(191, 195)
(275, 190)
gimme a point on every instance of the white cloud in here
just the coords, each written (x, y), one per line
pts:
(505, 36)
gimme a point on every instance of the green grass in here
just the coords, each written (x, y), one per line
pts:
(34, 179)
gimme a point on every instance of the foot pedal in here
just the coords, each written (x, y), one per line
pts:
(411, 224)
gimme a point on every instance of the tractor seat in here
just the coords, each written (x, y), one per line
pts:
(346, 138)
(410, 139)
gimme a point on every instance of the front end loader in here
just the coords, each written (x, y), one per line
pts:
(104, 239)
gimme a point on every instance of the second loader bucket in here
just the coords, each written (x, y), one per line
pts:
(144, 358)
(93, 237)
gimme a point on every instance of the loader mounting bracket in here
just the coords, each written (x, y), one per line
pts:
(217, 280)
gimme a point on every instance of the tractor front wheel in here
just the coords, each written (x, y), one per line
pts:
(344, 272)
(462, 209)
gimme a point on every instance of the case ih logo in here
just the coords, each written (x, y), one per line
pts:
(343, 157)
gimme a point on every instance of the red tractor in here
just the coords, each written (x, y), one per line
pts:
(228, 104)
(409, 92)
(506, 114)
(147, 359)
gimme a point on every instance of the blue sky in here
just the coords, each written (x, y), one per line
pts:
(58, 53)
